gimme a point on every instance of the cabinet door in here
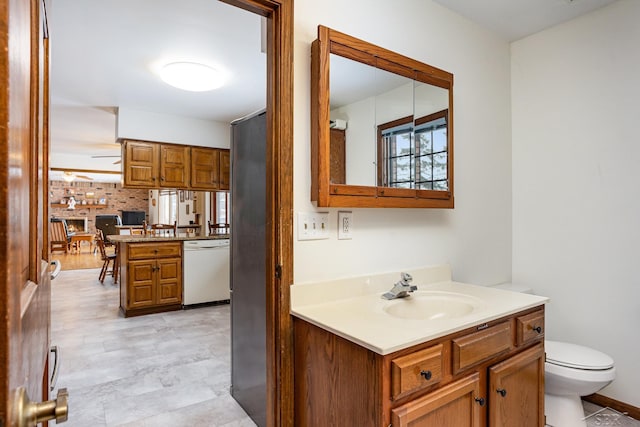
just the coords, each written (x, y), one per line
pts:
(225, 169)
(140, 283)
(174, 166)
(516, 390)
(453, 405)
(169, 281)
(205, 168)
(140, 164)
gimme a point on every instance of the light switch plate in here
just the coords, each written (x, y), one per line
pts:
(345, 225)
(313, 225)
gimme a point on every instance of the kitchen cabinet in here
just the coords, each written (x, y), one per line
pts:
(210, 168)
(225, 168)
(140, 162)
(174, 166)
(151, 277)
(148, 164)
(486, 375)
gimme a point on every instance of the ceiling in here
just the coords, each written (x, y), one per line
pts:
(515, 19)
(105, 54)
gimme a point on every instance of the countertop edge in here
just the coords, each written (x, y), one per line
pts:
(125, 238)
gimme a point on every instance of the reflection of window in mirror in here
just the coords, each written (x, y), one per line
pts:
(167, 206)
(220, 207)
(413, 154)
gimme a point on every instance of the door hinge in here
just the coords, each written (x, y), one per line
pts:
(278, 271)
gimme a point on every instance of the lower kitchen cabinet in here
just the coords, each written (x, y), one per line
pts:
(488, 375)
(151, 277)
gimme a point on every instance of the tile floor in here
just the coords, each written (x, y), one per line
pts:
(168, 369)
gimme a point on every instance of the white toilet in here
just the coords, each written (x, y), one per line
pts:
(571, 371)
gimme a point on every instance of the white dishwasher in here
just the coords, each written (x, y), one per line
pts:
(206, 271)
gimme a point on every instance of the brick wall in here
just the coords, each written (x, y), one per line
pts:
(116, 197)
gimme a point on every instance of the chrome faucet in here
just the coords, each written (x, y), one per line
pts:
(402, 288)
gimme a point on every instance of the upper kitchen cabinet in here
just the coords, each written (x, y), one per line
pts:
(225, 169)
(209, 168)
(148, 164)
(174, 166)
(381, 127)
(140, 162)
(205, 168)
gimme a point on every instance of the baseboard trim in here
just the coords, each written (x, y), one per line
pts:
(604, 401)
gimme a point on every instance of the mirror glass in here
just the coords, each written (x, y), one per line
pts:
(387, 130)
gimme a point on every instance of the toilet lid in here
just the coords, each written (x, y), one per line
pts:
(576, 356)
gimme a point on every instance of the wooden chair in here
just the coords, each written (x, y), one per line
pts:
(107, 259)
(59, 241)
(165, 229)
(220, 228)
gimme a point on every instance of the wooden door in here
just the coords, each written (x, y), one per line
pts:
(25, 289)
(225, 169)
(205, 168)
(140, 164)
(140, 283)
(174, 166)
(169, 281)
(453, 405)
(516, 390)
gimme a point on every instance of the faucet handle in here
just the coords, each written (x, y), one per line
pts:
(406, 277)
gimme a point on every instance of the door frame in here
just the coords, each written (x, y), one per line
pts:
(279, 209)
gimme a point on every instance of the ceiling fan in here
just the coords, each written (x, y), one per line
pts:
(117, 162)
(70, 176)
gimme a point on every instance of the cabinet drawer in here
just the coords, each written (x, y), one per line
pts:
(154, 250)
(530, 327)
(416, 371)
(479, 346)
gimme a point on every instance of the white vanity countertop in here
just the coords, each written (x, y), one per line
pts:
(361, 318)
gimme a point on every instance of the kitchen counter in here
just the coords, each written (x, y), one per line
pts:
(353, 308)
(128, 238)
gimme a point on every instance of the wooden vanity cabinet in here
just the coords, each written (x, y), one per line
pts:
(478, 377)
(151, 277)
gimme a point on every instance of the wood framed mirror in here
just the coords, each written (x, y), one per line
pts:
(381, 127)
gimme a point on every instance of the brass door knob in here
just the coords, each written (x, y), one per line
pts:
(27, 413)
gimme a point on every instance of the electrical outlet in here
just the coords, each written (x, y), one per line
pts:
(313, 225)
(345, 225)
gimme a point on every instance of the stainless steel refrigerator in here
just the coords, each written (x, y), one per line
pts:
(248, 265)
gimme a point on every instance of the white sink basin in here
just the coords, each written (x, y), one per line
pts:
(432, 305)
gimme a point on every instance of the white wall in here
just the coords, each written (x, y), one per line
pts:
(475, 237)
(150, 126)
(576, 170)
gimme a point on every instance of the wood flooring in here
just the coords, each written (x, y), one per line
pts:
(167, 369)
(78, 261)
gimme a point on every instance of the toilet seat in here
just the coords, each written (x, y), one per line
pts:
(575, 356)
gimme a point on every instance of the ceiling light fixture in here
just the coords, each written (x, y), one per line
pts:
(68, 176)
(191, 76)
